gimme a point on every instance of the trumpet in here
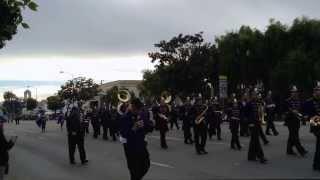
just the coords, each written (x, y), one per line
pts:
(124, 97)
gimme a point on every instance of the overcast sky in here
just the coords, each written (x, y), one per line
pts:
(109, 39)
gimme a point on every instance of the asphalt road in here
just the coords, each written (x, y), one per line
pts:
(44, 156)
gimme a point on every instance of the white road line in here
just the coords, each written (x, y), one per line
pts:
(161, 165)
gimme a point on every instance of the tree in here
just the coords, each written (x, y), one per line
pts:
(12, 105)
(179, 62)
(280, 56)
(31, 104)
(11, 17)
(78, 90)
(55, 103)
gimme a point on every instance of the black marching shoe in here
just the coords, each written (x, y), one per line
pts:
(291, 153)
(204, 152)
(304, 153)
(72, 162)
(84, 162)
(263, 161)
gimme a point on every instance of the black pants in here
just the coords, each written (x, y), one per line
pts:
(262, 135)
(211, 129)
(200, 137)
(316, 160)
(187, 135)
(105, 132)
(73, 141)
(163, 140)
(174, 122)
(270, 125)
(244, 129)
(138, 162)
(96, 130)
(235, 139)
(43, 127)
(255, 149)
(218, 128)
(113, 133)
(17, 121)
(294, 140)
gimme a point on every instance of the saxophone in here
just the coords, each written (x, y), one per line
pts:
(200, 117)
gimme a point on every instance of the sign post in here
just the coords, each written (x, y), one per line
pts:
(223, 87)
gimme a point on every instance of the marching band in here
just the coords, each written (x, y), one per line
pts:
(246, 114)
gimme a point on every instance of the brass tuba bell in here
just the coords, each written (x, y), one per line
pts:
(124, 96)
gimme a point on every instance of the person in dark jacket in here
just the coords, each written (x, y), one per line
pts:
(161, 118)
(186, 122)
(255, 150)
(271, 113)
(76, 136)
(5, 146)
(313, 111)
(292, 121)
(105, 120)
(134, 125)
(235, 124)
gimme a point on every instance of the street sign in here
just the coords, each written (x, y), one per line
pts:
(223, 86)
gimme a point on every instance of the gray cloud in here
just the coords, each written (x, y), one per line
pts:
(124, 27)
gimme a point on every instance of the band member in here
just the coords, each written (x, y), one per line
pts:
(105, 120)
(234, 124)
(292, 121)
(94, 117)
(216, 118)
(134, 126)
(198, 113)
(5, 146)
(244, 115)
(161, 119)
(42, 120)
(255, 149)
(174, 117)
(261, 119)
(60, 120)
(114, 120)
(75, 136)
(271, 113)
(314, 112)
(184, 113)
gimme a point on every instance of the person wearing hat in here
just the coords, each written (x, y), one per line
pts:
(271, 112)
(184, 115)
(255, 151)
(292, 121)
(217, 118)
(76, 135)
(261, 116)
(134, 125)
(161, 117)
(5, 146)
(198, 114)
(313, 106)
(235, 124)
(244, 115)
